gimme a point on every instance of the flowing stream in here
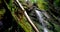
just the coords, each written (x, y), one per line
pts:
(41, 20)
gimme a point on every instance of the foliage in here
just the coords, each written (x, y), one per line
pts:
(13, 17)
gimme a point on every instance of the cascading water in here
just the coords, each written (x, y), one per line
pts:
(40, 17)
(41, 20)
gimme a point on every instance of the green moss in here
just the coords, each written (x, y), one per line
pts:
(25, 25)
(2, 11)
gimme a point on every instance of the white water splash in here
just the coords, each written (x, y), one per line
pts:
(41, 20)
(45, 30)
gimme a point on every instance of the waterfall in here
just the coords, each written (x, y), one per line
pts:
(41, 20)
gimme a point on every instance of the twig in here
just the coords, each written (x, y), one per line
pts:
(26, 15)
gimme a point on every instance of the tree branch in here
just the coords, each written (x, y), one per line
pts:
(26, 15)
